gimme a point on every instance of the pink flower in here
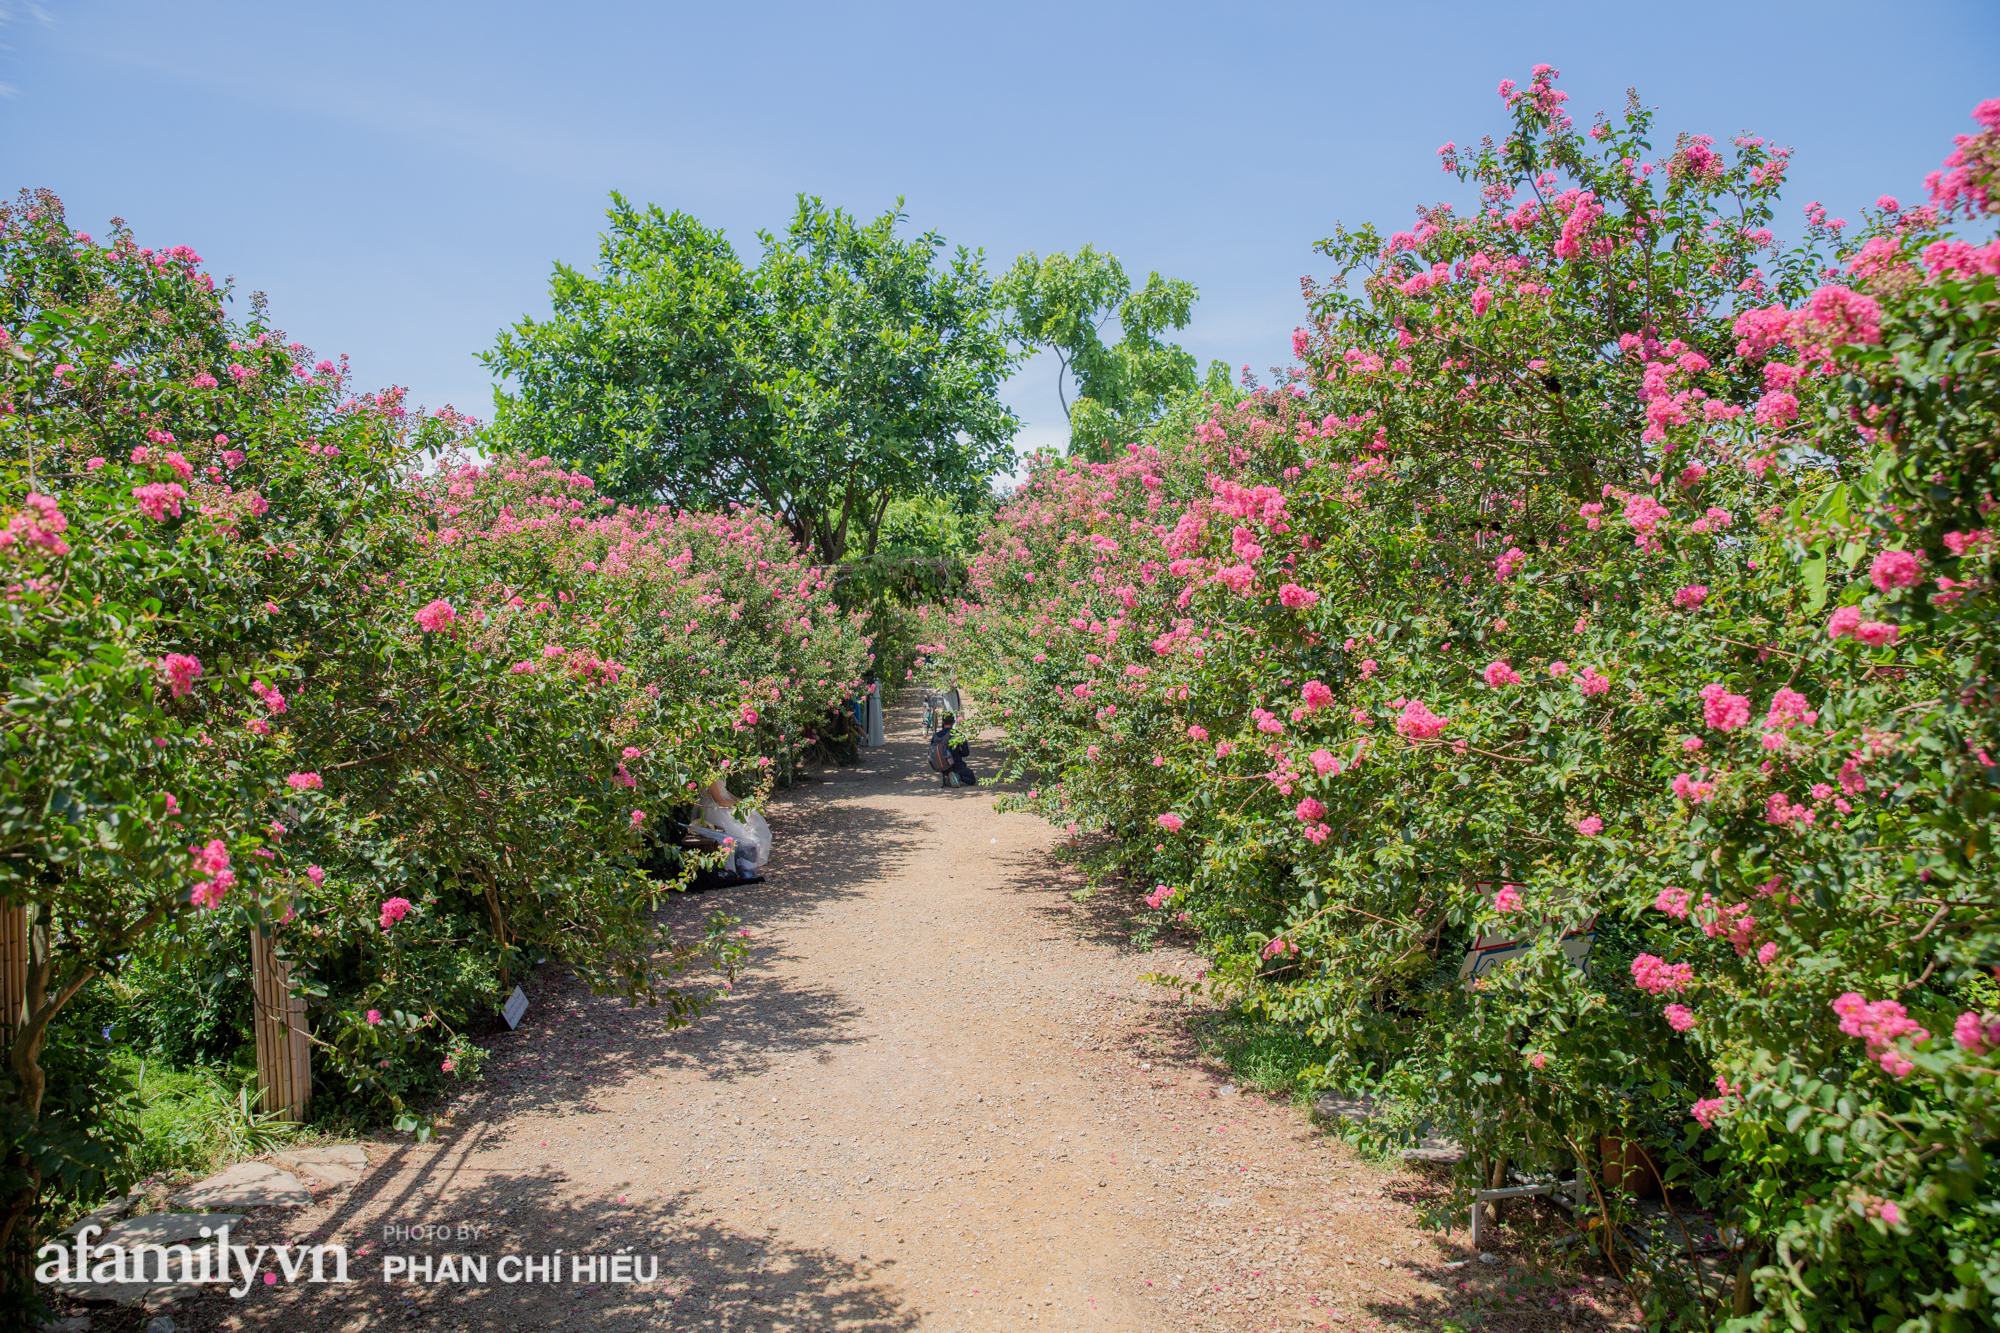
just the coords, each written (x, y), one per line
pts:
(1789, 709)
(1316, 695)
(1674, 902)
(1708, 1109)
(1511, 559)
(374, 1017)
(272, 699)
(1418, 723)
(1295, 598)
(1880, 1024)
(1892, 1214)
(1592, 682)
(1776, 409)
(1507, 900)
(1766, 954)
(448, 1065)
(160, 499)
(1691, 790)
(1679, 1017)
(1876, 633)
(1197, 733)
(1538, 1060)
(1309, 811)
(1655, 976)
(1722, 710)
(1590, 826)
(1843, 622)
(394, 910)
(1324, 763)
(304, 782)
(638, 818)
(212, 861)
(1498, 673)
(37, 525)
(1170, 822)
(1978, 1034)
(436, 616)
(630, 753)
(1690, 597)
(1834, 316)
(181, 672)
(1896, 569)
(316, 875)
(1159, 896)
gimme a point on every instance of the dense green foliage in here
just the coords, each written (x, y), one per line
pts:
(1603, 572)
(1063, 302)
(280, 658)
(848, 369)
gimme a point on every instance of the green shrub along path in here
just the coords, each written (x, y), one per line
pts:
(941, 1096)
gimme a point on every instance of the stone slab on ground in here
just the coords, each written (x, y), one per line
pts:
(165, 1229)
(149, 1294)
(246, 1185)
(336, 1164)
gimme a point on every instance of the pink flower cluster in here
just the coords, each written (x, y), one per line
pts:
(270, 696)
(1721, 709)
(38, 526)
(180, 671)
(1316, 695)
(159, 499)
(1419, 723)
(1295, 598)
(1977, 1034)
(1690, 597)
(1499, 673)
(1656, 976)
(304, 782)
(436, 615)
(1170, 821)
(394, 910)
(1846, 622)
(1895, 569)
(1880, 1024)
(211, 862)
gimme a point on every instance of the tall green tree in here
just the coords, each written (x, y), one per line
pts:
(1063, 303)
(852, 366)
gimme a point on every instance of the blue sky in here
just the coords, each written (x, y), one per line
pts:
(399, 177)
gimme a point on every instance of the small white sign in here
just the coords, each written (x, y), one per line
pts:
(517, 1004)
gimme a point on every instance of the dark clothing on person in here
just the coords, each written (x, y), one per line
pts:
(942, 748)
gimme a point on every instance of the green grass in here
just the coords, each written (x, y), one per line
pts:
(198, 1118)
(1274, 1058)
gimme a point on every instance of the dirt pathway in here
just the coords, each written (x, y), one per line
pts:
(941, 1098)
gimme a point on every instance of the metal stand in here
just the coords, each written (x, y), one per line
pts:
(1480, 1198)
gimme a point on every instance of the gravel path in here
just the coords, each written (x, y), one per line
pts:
(942, 1097)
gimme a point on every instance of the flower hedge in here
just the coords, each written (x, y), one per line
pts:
(1600, 570)
(284, 656)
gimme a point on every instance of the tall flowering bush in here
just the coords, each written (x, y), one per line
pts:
(1554, 592)
(281, 658)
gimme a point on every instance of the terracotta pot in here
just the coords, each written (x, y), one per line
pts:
(1627, 1166)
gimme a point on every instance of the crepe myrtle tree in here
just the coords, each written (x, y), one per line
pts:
(1597, 562)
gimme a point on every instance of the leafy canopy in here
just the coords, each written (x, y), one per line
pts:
(850, 367)
(1063, 302)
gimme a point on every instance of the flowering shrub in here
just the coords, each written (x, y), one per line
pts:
(1549, 568)
(266, 668)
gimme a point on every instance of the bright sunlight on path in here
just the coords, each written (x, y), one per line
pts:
(941, 1098)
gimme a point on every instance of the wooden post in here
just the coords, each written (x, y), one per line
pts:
(284, 1059)
(13, 969)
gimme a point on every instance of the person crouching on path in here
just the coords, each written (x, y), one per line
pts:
(949, 759)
